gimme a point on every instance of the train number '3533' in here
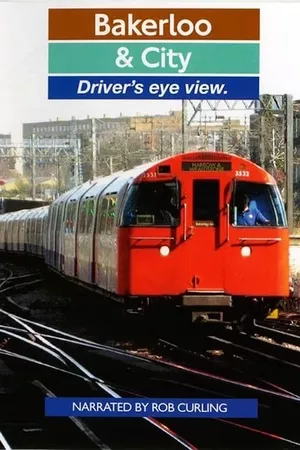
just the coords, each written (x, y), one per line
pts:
(242, 173)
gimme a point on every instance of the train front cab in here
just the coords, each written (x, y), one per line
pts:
(246, 267)
(204, 262)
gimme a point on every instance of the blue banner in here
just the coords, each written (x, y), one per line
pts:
(146, 407)
(152, 88)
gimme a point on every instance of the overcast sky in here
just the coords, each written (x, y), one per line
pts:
(24, 63)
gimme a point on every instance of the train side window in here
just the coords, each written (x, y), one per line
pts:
(112, 200)
(59, 217)
(83, 208)
(206, 203)
(31, 223)
(44, 225)
(52, 228)
(71, 217)
(38, 226)
(34, 224)
(102, 219)
(50, 223)
(63, 216)
(68, 227)
(90, 215)
(74, 217)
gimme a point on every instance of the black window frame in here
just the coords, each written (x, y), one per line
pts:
(102, 215)
(213, 222)
(90, 217)
(122, 219)
(83, 211)
(112, 209)
(270, 205)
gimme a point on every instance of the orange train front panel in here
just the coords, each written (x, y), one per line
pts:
(143, 269)
(257, 262)
(209, 250)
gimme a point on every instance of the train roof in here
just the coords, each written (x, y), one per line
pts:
(66, 195)
(91, 187)
(199, 156)
(24, 212)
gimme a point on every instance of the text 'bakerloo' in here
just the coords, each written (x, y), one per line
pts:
(150, 27)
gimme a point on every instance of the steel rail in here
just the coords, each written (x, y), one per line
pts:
(99, 382)
(164, 363)
(79, 423)
(4, 442)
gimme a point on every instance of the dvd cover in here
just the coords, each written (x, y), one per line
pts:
(149, 224)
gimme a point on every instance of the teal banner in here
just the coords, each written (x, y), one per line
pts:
(152, 58)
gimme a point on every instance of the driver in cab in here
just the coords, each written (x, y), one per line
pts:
(249, 215)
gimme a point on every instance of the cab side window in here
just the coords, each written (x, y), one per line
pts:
(256, 204)
(152, 204)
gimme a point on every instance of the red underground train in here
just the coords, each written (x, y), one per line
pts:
(165, 237)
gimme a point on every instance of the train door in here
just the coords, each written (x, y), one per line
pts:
(202, 206)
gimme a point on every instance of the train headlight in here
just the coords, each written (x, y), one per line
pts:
(245, 251)
(164, 250)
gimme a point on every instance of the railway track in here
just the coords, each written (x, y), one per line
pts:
(16, 278)
(23, 333)
(25, 426)
(60, 363)
(281, 333)
(176, 383)
(153, 429)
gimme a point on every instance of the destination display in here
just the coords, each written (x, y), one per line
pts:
(189, 166)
